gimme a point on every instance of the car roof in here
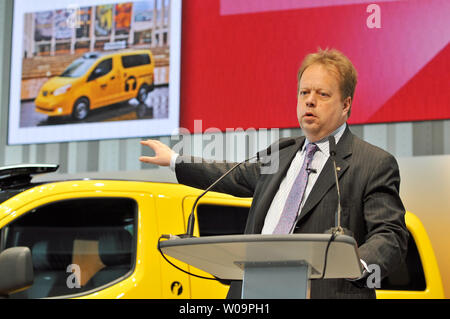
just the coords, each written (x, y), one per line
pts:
(22, 176)
(15, 179)
(101, 54)
(156, 175)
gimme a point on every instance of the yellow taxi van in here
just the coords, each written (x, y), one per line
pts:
(83, 238)
(95, 80)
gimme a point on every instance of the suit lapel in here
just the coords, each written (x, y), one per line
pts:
(326, 179)
(272, 183)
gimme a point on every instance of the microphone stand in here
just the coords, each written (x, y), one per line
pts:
(338, 229)
(191, 220)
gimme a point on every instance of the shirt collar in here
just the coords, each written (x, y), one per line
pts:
(323, 143)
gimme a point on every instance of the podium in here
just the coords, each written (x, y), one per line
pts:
(270, 266)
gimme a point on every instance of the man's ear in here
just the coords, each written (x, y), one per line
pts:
(347, 105)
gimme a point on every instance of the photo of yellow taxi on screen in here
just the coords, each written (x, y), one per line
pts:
(95, 80)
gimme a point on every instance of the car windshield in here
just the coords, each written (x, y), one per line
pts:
(78, 68)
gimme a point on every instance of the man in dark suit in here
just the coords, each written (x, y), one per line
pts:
(368, 176)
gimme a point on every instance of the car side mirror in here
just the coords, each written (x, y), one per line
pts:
(16, 270)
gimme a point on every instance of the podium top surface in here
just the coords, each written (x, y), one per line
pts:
(225, 256)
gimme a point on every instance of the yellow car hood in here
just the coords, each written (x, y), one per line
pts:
(57, 82)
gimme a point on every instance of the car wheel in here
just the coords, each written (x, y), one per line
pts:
(80, 109)
(142, 94)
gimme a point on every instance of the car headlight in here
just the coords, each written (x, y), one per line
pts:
(62, 89)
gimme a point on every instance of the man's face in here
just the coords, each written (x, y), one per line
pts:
(320, 109)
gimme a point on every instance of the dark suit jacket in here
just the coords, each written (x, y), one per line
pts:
(371, 207)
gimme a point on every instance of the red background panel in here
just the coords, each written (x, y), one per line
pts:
(240, 70)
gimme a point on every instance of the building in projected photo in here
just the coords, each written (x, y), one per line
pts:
(49, 33)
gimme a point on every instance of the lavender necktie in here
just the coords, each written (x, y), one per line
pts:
(295, 196)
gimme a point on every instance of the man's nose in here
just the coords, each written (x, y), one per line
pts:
(311, 100)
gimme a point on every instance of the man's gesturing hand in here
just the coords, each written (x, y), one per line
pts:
(163, 153)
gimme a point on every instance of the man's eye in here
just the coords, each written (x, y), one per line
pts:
(324, 94)
(303, 92)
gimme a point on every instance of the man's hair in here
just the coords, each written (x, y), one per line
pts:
(335, 61)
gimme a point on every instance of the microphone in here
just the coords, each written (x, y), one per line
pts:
(332, 145)
(283, 144)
